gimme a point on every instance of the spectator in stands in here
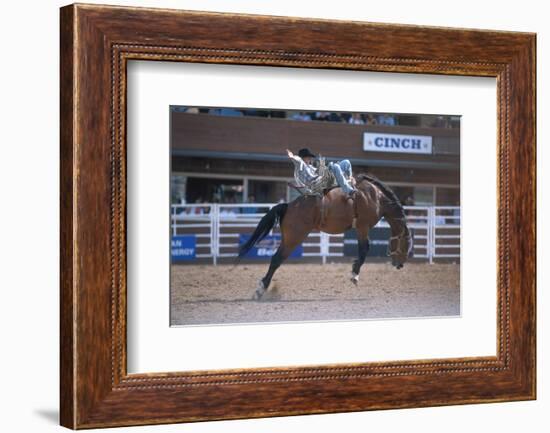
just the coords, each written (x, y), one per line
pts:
(371, 120)
(438, 122)
(230, 112)
(386, 119)
(277, 114)
(445, 122)
(206, 209)
(335, 117)
(440, 219)
(228, 211)
(456, 212)
(301, 116)
(356, 119)
(178, 108)
(327, 116)
(251, 209)
(196, 210)
(409, 201)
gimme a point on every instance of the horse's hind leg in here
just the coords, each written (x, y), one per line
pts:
(362, 251)
(288, 244)
(276, 261)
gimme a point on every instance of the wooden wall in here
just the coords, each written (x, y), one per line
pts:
(209, 133)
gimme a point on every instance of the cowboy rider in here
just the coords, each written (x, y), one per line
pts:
(308, 176)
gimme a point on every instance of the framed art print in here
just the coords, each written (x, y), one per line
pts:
(267, 216)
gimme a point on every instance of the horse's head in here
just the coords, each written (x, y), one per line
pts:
(399, 247)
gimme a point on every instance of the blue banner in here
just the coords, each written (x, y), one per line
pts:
(183, 247)
(267, 247)
(379, 238)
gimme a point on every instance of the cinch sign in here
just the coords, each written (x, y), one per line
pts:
(183, 247)
(397, 143)
(267, 247)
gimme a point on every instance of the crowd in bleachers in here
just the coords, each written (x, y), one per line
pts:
(386, 119)
(197, 209)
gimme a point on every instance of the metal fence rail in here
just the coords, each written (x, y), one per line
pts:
(217, 228)
(446, 232)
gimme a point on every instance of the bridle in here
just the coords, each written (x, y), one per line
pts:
(397, 251)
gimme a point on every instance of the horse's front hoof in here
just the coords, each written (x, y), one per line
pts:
(259, 292)
(354, 278)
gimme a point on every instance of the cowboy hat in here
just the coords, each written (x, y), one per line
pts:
(302, 153)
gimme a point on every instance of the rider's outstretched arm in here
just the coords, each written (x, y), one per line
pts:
(293, 157)
(296, 160)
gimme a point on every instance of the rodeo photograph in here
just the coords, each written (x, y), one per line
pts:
(283, 215)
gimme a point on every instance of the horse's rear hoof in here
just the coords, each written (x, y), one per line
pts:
(354, 278)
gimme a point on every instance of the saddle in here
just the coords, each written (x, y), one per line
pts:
(324, 191)
(306, 192)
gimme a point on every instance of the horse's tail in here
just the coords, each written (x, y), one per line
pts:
(266, 224)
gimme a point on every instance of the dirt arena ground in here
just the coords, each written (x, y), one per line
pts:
(206, 294)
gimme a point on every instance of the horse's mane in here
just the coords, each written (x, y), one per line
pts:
(394, 203)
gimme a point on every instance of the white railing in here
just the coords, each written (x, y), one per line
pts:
(217, 228)
(445, 224)
(201, 221)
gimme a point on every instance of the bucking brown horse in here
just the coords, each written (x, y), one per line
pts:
(335, 213)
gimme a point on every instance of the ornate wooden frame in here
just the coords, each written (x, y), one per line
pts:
(96, 43)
